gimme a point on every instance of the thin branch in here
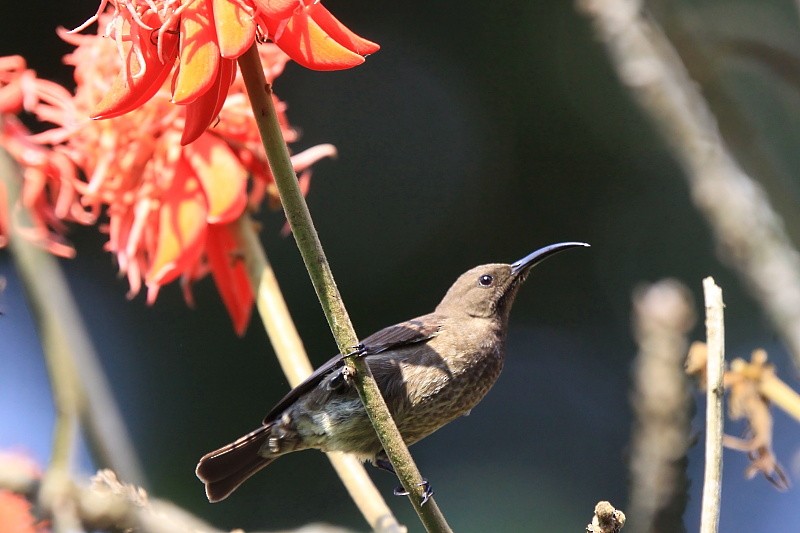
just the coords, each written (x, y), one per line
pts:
(295, 364)
(107, 504)
(72, 361)
(294, 205)
(660, 400)
(715, 340)
(750, 234)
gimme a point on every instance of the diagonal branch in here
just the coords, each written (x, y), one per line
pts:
(260, 94)
(750, 234)
(295, 364)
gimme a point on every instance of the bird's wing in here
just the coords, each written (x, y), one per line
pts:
(408, 332)
(309, 383)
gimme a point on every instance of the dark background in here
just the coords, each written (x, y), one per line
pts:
(480, 132)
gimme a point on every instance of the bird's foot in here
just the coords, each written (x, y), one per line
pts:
(426, 493)
(356, 351)
(382, 462)
(342, 378)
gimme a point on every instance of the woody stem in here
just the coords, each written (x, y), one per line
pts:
(299, 217)
(292, 356)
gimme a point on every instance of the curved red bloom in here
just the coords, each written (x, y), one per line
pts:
(169, 205)
(197, 41)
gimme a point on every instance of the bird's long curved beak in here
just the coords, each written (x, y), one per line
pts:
(541, 254)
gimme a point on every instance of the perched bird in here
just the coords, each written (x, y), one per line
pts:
(430, 369)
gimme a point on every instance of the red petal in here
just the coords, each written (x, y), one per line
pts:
(222, 176)
(339, 32)
(307, 43)
(235, 27)
(199, 53)
(201, 112)
(127, 93)
(11, 98)
(181, 228)
(230, 274)
(15, 513)
(276, 9)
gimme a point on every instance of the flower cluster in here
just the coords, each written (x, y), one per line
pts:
(48, 188)
(205, 37)
(169, 185)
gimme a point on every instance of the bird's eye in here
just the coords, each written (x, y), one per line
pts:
(485, 280)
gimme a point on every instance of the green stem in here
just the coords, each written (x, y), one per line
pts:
(295, 364)
(260, 94)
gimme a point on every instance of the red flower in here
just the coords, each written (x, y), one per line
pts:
(15, 509)
(15, 514)
(204, 38)
(169, 206)
(48, 191)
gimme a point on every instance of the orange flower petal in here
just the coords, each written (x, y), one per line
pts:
(277, 9)
(127, 93)
(15, 513)
(307, 43)
(339, 32)
(11, 97)
(230, 275)
(222, 176)
(181, 229)
(199, 54)
(201, 112)
(235, 27)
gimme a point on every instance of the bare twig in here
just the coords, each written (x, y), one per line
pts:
(107, 504)
(715, 339)
(663, 315)
(750, 234)
(295, 364)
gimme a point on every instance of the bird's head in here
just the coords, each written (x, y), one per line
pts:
(489, 290)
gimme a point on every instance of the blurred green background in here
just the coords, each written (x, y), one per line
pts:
(480, 132)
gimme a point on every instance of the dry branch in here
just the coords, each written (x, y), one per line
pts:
(750, 234)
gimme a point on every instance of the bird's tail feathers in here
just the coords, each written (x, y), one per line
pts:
(223, 470)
